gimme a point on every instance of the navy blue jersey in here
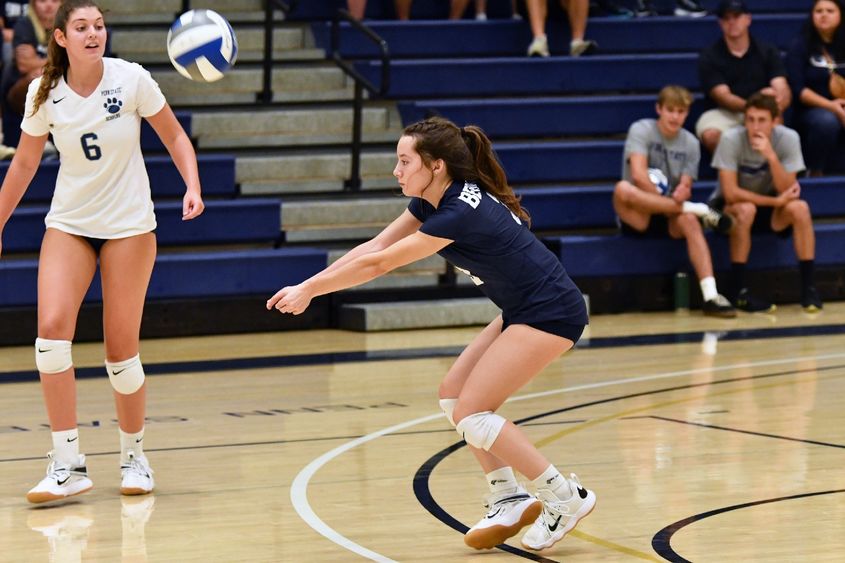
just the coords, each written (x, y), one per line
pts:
(491, 244)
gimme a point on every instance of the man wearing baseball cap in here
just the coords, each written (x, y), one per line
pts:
(732, 69)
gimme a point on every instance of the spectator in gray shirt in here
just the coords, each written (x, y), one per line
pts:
(758, 165)
(660, 163)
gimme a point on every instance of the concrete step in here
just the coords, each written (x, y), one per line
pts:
(312, 172)
(149, 45)
(165, 11)
(322, 213)
(399, 315)
(301, 83)
(292, 127)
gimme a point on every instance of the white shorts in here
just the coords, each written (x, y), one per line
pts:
(718, 118)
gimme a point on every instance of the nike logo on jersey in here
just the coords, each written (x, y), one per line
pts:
(74, 439)
(553, 527)
(56, 101)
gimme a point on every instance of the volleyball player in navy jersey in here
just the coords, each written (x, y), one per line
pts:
(463, 209)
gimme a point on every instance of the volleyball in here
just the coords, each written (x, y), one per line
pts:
(202, 45)
(658, 178)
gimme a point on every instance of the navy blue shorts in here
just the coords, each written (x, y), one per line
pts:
(569, 331)
(96, 243)
(658, 227)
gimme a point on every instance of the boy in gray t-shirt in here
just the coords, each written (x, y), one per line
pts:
(660, 162)
(758, 165)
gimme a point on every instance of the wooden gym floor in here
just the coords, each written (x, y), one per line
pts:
(704, 440)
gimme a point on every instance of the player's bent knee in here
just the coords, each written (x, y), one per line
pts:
(53, 356)
(127, 376)
(448, 407)
(481, 429)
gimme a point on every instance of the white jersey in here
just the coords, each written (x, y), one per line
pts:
(102, 190)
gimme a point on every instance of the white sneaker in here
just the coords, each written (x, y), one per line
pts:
(62, 481)
(507, 514)
(137, 476)
(559, 517)
(719, 222)
(539, 47)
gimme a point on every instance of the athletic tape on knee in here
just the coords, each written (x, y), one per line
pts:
(53, 356)
(127, 376)
(448, 407)
(481, 429)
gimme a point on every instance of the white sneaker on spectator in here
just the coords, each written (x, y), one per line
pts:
(507, 513)
(539, 47)
(481, 17)
(559, 517)
(578, 47)
(63, 480)
(137, 476)
(690, 9)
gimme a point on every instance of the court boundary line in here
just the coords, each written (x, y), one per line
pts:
(299, 487)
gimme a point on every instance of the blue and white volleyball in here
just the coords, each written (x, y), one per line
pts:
(659, 179)
(202, 45)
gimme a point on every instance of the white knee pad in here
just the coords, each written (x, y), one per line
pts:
(53, 356)
(127, 376)
(481, 429)
(448, 406)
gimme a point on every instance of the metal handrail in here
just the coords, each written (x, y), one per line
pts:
(361, 82)
(286, 7)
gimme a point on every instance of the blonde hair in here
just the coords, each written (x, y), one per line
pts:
(674, 96)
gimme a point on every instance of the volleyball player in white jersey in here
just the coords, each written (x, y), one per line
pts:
(102, 209)
(463, 209)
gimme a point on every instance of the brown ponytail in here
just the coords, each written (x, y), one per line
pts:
(57, 60)
(468, 155)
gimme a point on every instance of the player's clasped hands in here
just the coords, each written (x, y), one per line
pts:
(291, 299)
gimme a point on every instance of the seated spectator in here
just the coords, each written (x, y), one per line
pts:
(684, 8)
(10, 12)
(734, 68)
(576, 11)
(403, 9)
(816, 61)
(659, 165)
(758, 165)
(31, 35)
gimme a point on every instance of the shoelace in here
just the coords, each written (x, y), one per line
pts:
(136, 466)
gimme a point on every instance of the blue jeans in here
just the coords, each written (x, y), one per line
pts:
(820, 131)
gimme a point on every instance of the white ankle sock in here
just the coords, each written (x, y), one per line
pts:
(502, 479)
(552, 480)
(695, 208)
(708, 288)
(131, 443)
(66, 446)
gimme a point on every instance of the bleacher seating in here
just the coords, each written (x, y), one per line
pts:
(558, 127)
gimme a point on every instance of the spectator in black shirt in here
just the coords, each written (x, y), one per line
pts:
(734, 68)
(815, 60)
(10, 12)
(30, 53)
